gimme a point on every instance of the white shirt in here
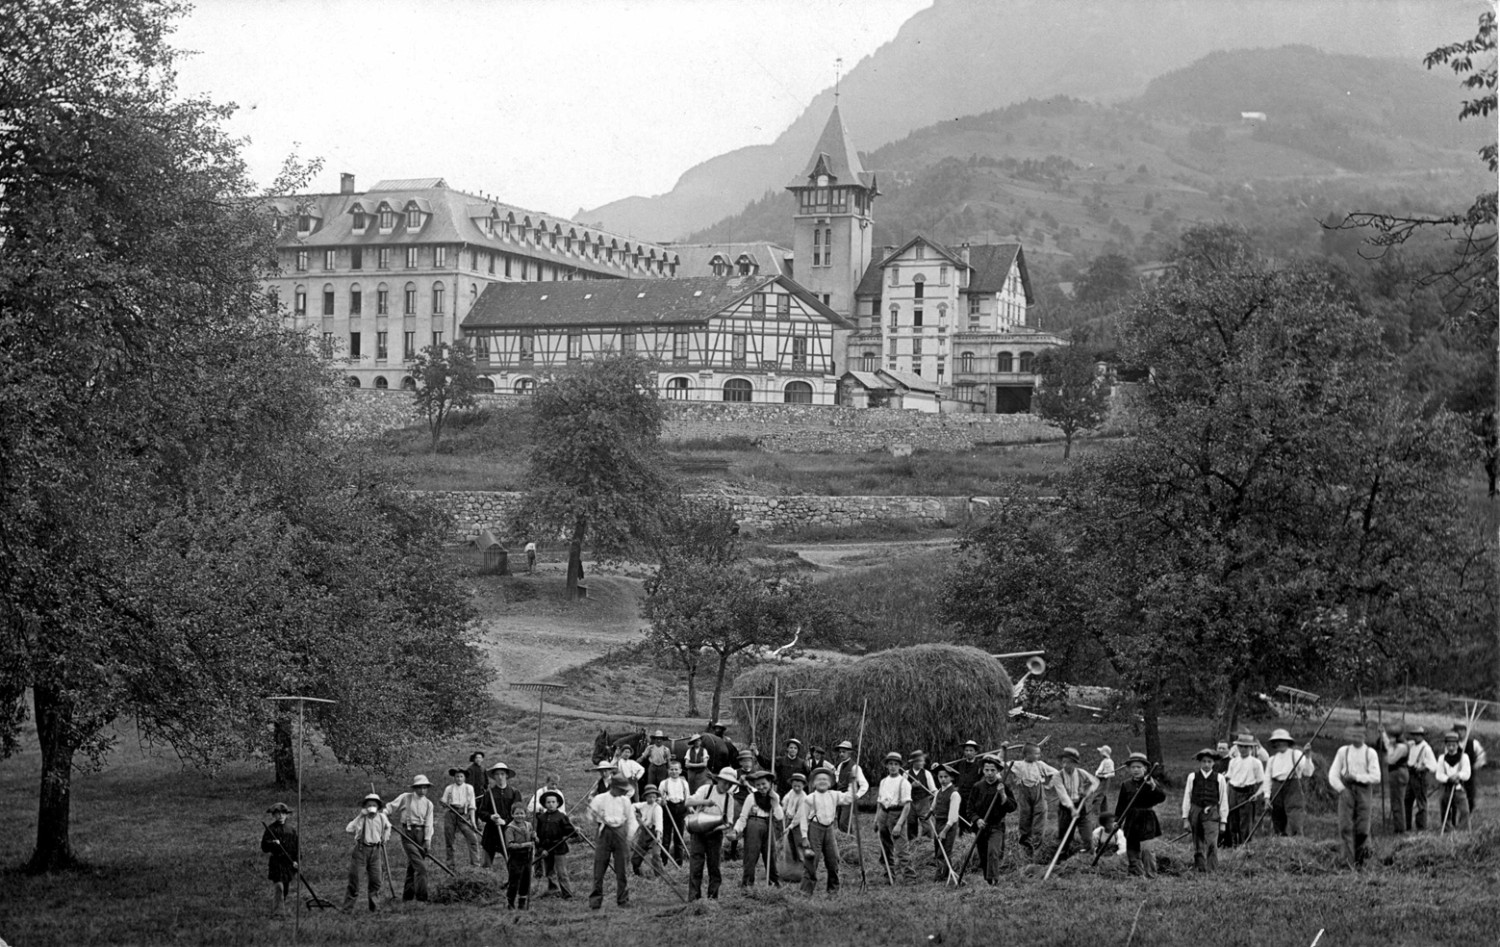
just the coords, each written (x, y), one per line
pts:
(1246, 772)
(1187, 792)
(410, 809)
(630, 769)
(1420, 757)
(719, 803)
(1071, 789)
(894, 792)
(955, 810)
(822, 807)
(1117, 846)
(858, 785)
(753, 808)
(1282, 767)
(613, 811)
(674, 789)
(459, 796)
(1033, 772)
(1460, 772)
(1106, 769)
(1360, 764)
(648, 816)
(370, 829)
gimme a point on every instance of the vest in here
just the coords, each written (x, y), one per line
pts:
(1205, 792)
(845, 776)
(697, 758)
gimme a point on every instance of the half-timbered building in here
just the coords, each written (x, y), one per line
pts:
(752, 339)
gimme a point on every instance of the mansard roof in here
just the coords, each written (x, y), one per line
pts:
(696, 259)
(637, 302)
(836, 155)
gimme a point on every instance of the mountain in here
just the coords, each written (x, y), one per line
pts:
(1074, 179)
(961, 57)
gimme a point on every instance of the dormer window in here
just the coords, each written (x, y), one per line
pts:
(304, 223)
(413, 219)
(387, 219)
(487, 226)
(921, 252)
(360, 220)
(720, 266)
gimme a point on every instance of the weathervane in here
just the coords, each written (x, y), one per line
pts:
(838, 71)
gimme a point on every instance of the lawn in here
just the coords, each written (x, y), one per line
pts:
(486, 450)
(173, 860)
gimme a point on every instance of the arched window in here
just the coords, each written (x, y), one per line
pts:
(438, 294)
(895, 314)
(408, 384)
(409, 298)
(919, 285)
(966, 362)
(1006, 363)
(473, 293)
(382, 300)
(381, 383)
(525, 386)
(1026, 363)
(797, 392)
(677, 389)
(871, 361)
(353, 382)
(486, 385)
(739, 390)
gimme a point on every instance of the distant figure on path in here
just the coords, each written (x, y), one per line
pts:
(530, 557)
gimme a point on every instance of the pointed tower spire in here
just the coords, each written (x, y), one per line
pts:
(837, 156)
(832, 226)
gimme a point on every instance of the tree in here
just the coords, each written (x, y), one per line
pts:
(596, 469)
(1070, 395)
(1285, 513)
(447, 379)
(181, 538)
(1109, 278)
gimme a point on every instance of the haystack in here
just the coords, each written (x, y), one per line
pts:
(931, 697)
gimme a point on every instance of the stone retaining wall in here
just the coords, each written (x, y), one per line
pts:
(474, 511)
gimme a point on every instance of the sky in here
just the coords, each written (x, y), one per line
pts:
(551, 105)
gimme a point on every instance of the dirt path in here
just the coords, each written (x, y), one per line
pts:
(834, 558)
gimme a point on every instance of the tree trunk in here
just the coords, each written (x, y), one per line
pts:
(1150, 714)
(1067, 444)
(55, 732)
(719, 685)
(1227, 714)
(692, 684)
(575, 555)
(283, 755)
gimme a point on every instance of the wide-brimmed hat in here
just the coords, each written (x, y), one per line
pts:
(1140, 758)
(502, 767)
(728, 774)
(695, 738)
(1207, 751)
(1105, 750)
(650, 790)
(1460, 725)
(1417, 731)
(551, 794)
(824, 770)
(372, 797)
(1244, 739)
(916, 753)
(792, 740)
(658, 735)
(1281, 736)
(603, 765)
(473, 757)
(618, 781)
(797, 777)
(969, 743)
(845, 745)
(945, 768)
(757, 775)
(420, 780)
(1070, 752)
(894, 757)
(279, 807)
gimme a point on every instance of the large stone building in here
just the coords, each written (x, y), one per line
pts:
(380, 274)
(750, 339)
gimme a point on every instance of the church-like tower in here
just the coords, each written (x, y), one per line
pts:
(832, 231)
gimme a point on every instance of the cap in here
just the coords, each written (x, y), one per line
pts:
(279, 807)
(894, 757)
(990, 758)
(1460, 725)
(824, 771)
(1069, 752)
(1281, 736)
(798, 778)
(1138, 758)
(758, 775)
(746, 755)
(650, 790)
(916, 753)
(844, 745)
(1417, 731)
(420, 780)
(618, 781)
(945, 768)
(1451, 736)
(1207, 751)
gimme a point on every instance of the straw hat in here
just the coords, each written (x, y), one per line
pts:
(420, 781)
(894, 757)
(658, 735)
(728, 774)
(1206, 752)
(279, 807)
(1069, 752)
(372, 797)
(604, 765)
(793, 740)
(1244, 739)
(1281, 736)
(845, 745)
(798, 778)
(969, 743)
(1138, 757)
(824, 770)
(503, 768)
(650, 790)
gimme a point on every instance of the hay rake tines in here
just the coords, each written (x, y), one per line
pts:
(542, 690)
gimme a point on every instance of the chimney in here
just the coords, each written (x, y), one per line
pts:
(885, 253)
(965, 249)
(346, 183)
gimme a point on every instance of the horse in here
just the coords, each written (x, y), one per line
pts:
(721, 752)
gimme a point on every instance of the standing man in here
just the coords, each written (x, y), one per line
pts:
(1284, 774)
(530, 556)
(1453, 773)
(966, 769)
(818, 818)
(1073, 787)
(894, 801)
(1105, 773)
(816, 756)
(923, 790)
(656, 758)
(789, 764)
(1477, 759)
(757, 824)
(1394, 748)
(1135, 808)
(1030, 777)
(713, 803)
(1421, 764)
(1355, 768)
(986, 804)
(614, 813)
(695, 762)
(1247, 780)
(458, 816)
(1205, 799)
(371, 830)
(476, 774)
(412, 813)
(495, 806)
(848, 779)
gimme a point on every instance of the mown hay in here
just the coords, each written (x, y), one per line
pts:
(1478, 848)
(931, 697)
(471, 887)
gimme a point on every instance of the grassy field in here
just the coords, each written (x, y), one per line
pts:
(173, 859)
(485, 450)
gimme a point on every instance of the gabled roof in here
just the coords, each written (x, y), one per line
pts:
(908, 380)
(837, 154)
(695, 259)
(640, 302)
(408, 184)
(989, 265)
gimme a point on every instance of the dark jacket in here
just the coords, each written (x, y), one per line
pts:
(490, 802)
(280, 867)
(1137, 819)
(553, 829)
(784, 770)
(995, 799)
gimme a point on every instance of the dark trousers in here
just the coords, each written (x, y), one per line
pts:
(1080, 831)
(1416, 800)
(644, 849)
(1203, 822)
(758, 846)
(1242, 816)
(556, 868)
(843, 816)
(1354, 822)
(1288, 807)
(943, 842)
(518, 878)
(1455, 806)
(990, 847)
(455, 827)
(1397, 778)
(705, 849)
(416, 868)
(364, 860)
(1139, 858)
(822, 843)
(611, 849)
(674, 818)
